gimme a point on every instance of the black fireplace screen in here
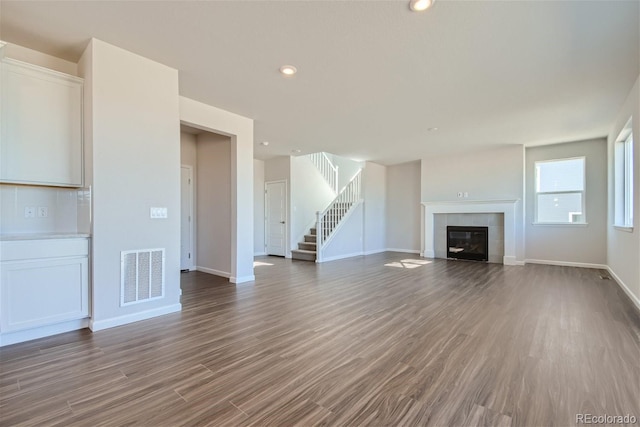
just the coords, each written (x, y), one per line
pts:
(471, 243)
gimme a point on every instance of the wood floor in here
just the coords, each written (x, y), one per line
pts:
(383, 340)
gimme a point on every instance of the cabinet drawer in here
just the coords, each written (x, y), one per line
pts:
(42, 249)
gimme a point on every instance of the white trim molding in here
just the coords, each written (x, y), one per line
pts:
(506, 207)
(215, 272)
(375, 251)
(8, 338)
(98, 325)
(407, 251)
(242, 279)
(337, 257)
(567, 263)
(634, 299)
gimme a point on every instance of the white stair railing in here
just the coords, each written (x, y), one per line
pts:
(328, 220)
(326, 168)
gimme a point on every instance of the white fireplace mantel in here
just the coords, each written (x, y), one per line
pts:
(506, 207)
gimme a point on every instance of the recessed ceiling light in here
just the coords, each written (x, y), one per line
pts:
(295, 151)
(420, 5)
(432, 129)
(288, 70)
(264, 143)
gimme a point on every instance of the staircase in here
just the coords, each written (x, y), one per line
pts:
(306, 250)
(328, 221)
(326, 168)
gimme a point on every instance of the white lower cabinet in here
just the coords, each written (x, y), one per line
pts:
(42, 283)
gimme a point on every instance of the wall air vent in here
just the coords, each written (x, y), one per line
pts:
(141, 276)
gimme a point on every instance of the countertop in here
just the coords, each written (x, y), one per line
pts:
(42, 236)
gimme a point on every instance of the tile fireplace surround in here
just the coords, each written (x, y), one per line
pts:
(506, 207)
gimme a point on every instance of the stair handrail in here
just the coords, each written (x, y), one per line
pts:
(349, 195)
(327, 169)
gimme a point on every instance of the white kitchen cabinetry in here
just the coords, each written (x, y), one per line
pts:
(41, 133)
(42, 283)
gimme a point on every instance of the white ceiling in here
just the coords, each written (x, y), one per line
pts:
(372, 76)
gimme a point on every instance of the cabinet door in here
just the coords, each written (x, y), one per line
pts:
(41, 137)
(37, 293)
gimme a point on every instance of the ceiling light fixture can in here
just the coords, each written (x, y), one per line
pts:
(420, 5)
(288, 70)
(264, 143)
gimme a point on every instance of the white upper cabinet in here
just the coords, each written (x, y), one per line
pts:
(41, 130)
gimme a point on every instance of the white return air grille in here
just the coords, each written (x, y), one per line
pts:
(141, 275)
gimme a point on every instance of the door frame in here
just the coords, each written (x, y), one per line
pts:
(286, 215)
(192, 264)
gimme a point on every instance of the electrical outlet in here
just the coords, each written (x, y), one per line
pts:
(466, 194)
(43, 212)
(29, 212)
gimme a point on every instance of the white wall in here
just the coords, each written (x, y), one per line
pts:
(348, 240)
(213, 212)
(347, 169)
(623, 247)
(403, 207)
(258, 207)
(566, 243)
(240, 129)
(309, 194)
(374, 186)
(279, 169)
(134, 138)
(496, 174)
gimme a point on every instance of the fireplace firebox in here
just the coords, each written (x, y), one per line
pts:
(469, 243)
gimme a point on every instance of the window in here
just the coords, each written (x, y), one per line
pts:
(624, 177)
(560, 191)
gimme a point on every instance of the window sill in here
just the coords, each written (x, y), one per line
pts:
(561, 224)
(623, 228)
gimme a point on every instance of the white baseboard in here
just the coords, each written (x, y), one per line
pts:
(566, 263)
(337, 257)
(634, 299)
(98, 325)
(511, 260)
(242, 279)
(213, 271)
(259, 254)
(375, 251)
(8, 338)
(408, 251)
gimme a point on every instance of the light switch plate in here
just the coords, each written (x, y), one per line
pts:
(157, 212)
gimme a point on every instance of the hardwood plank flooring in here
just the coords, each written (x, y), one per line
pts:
(383, 340)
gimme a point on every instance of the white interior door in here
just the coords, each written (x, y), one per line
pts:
(276, 217)
(186, 218)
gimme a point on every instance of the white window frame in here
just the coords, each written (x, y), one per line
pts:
(623, 179)
(538, 193)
